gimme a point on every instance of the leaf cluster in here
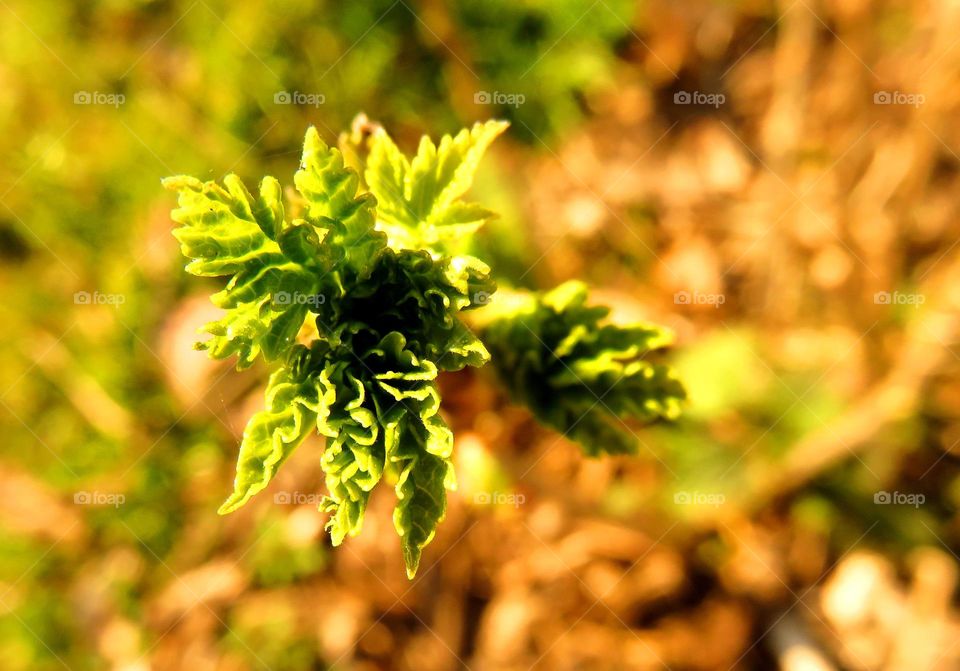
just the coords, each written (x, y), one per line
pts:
(354, 290)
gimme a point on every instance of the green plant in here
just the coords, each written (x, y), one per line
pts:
(356, 291)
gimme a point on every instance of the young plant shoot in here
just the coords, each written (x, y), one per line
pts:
(354, 292)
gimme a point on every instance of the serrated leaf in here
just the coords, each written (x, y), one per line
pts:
(580, 377)
(224, 232)
(250, 328)
(426, 472)
(272, 434)
(419, 206)
(330, 190)
(219, 232)
(369, 400)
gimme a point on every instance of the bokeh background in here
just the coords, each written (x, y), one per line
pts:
(777, 181)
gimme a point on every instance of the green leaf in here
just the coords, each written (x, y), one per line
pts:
(580, 377)
(381, 409)
(354, 457)
(419, 206)
(421, 503)
(272, 434)
(250, 328)
(225, 232)
(330, 190)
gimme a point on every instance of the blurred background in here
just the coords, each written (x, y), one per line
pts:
(777, 181)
